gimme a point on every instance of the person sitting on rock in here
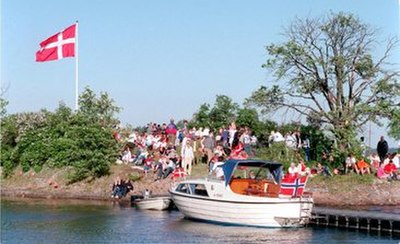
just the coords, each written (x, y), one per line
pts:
(363, 167)
(351, 164)
(148, 164)
(375, 161)
(323, 170)
(169, 168)
(121, 188)
(161, 166)
(391, 170)
(127, 155)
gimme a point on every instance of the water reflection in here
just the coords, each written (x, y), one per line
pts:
(44, 221)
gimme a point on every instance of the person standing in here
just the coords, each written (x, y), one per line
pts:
(171, 131)
(187, 156)
(382, 149)
(306, 148)
(208, 144)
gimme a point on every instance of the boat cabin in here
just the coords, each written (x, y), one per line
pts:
(253, 177)
(250, 177)
(193, 189)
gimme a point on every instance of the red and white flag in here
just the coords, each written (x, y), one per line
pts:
(178, 173)
(293, 186)
(58, 46)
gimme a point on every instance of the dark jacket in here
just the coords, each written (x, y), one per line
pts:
(382, 148)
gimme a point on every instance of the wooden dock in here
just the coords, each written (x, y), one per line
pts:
(360, 220)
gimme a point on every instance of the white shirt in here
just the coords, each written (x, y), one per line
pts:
(219, 172)
(290, 141)
(278, 137)
(293, 170)
(396, 161)
(350, 160)
(187, 152)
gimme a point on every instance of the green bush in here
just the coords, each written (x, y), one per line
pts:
(63, 138)
(7, 161)
(135, 176)
(280, 153)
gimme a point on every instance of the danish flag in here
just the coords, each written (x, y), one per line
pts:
(293, 186)
(58, 46)
(178, 173)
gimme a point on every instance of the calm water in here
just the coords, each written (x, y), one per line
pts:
(56, 221)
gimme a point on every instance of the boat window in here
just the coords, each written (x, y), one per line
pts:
(183, 188)
(252, 172)
(199, 189)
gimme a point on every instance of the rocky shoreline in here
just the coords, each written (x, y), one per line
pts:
(51, 184)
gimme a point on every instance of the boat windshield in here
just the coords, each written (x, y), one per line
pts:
(253, 172)
(217, 172)
(259, 169)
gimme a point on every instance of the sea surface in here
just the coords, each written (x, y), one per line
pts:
(66, 221)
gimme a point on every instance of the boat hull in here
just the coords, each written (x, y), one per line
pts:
(257, 212)
(156, 203)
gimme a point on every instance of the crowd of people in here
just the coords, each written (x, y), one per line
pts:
(382, 163)
(164, 149)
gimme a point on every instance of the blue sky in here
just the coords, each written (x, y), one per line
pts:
(157, 59)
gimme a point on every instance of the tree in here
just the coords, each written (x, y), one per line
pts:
(3, 107)
(201, 117)
(223, 112)
(81, 141)
(330, 75)
(101, 109)
(394, 124)
(249, 117)
(220, 115)
(3, 102)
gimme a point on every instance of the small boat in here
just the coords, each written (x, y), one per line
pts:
(244, 192)
(152, 202)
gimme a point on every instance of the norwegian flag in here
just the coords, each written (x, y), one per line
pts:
(293, 186)
(178, 173)
(58, 46)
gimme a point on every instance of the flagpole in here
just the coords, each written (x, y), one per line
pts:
(76, 69)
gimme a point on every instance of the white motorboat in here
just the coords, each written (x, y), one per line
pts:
(153, 202)
(238, 199)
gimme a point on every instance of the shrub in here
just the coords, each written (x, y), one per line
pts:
(58, 139)
(135, 176)
(280, 153)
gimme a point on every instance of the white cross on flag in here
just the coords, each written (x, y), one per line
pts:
(58, 46)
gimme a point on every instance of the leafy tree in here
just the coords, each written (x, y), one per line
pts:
(3, 107)
(223, 112)
(3, 103)
(220, 115)
(80, 141)
(319, 143)
(394, 124)
(249, 117)
(330, 76)
(201, 117)
(101, 109)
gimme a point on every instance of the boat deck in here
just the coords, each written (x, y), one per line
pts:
(254, 187)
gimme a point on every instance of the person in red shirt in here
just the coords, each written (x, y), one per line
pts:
(391, 170)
